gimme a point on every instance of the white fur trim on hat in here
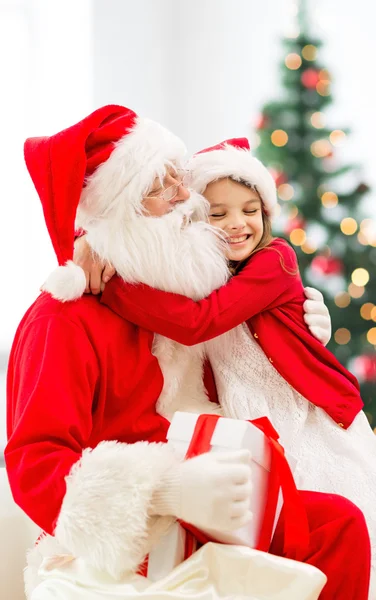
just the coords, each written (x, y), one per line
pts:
(116, 188)
(239, 164)
(66, 283)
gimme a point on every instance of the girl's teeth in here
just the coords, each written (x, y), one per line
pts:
(240, 239)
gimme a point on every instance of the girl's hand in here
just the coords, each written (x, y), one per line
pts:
(317, 315)
(97, 272)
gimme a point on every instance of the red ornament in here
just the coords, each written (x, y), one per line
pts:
(295, 223)
(327, 265)
(310, 78)
(279, 178)
(364, 367)
(262, 122)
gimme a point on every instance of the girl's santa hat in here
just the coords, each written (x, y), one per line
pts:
(98, 169)
(232, 158)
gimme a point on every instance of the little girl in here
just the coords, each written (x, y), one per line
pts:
(267, 362)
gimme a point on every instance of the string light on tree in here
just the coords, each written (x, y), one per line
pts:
(371, 336)
(309, 247)
(360, 277)
(279, 138)
(342, 336)
(356, 291)
(309, 52)
(318, 120)
(342, 299)
(293, 61)
(323, 85)
(329, 199)
(366, 311)
(348, 226)
(285, 192)
(337, 137)
(298, 237)
(321, 148)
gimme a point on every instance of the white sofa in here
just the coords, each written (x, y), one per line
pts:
(17, 535)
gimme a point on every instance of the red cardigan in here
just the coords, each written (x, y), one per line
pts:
(270, 299)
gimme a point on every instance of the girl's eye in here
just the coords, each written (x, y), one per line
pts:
(218, 216)
(251, 212)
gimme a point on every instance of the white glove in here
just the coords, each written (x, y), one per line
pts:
(210, 491)
(317, 315)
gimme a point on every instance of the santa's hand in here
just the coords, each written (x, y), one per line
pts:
(210, 491)
(97, 273)
(317, 315)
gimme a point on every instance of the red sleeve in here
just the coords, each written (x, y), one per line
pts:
(264, 283)
(51, 382)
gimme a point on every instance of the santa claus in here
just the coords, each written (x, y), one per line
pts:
(90, 394)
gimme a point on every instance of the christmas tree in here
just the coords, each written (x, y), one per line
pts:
(320, 204)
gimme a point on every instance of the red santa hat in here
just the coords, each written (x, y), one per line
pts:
(98, 169)
(232, 158)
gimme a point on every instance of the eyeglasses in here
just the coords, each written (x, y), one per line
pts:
(171, 192)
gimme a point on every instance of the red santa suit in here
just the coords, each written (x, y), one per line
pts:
(86, 394)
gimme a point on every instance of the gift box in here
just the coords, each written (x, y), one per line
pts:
(175, 546)
(273, 484)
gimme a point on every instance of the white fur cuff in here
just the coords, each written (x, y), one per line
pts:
(105, 516)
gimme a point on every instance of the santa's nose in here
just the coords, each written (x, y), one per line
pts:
(182, 194)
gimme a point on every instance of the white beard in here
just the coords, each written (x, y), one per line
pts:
(181, 253)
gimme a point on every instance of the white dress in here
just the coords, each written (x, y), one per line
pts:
(329, 458)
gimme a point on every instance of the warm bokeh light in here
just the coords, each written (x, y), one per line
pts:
(329, 199)
(360, 277)
(294, 211)
(285, 191)
(366, 311)
(342, 336)
(279, 138)
(309, 52)
(373, 314)
(367, 234)
(298, 236)
(293, 61)
(318, 120)
(356, 291)
(349, 226)
(337, 137)
(342, 299)
(323, 88)
(362, 238)
(321, 148)
(371, 335)
(308, 247)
